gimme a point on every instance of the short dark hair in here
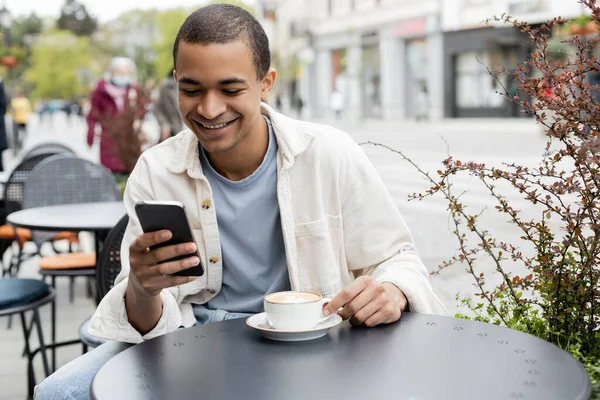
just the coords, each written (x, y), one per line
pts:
(226, 23)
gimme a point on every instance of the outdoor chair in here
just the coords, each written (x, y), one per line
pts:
(107, 270)
(18, 296)
(68, 180)
(13, 198)
(64, 180)
(48, 147)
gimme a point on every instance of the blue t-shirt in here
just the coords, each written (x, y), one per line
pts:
(253, 252)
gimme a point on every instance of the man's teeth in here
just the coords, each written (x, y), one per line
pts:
(215, 126)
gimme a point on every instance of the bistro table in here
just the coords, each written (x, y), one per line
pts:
(80, 217)
(97, 218)
(422, 357)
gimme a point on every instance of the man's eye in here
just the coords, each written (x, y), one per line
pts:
(190, 92)
(231, 92)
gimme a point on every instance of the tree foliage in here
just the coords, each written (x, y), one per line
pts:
(168, 23)
(132, 35)
(75, 18)
(57, 62)
(24, 29)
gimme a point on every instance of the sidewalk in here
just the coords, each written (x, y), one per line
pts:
(449, 125)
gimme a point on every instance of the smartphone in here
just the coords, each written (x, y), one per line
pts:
(158, 215)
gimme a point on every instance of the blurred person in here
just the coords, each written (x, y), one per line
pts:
(261, 177)
(107, 101)
(422, 103)
(299, 105)
(42, 108)
(76, 108)
(337, 103)
(20, 108)
(67, 108)
(167, 109)
(51, 109)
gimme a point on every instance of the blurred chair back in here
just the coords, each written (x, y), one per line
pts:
(108, 265)
(48, 147)
(65, 179)
(13, 188)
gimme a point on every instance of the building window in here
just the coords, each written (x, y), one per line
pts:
(475, 86)
(525, 6)
(360, 5)
(340, 7)
(471, 3)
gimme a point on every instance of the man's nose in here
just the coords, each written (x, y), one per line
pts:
(211, 106)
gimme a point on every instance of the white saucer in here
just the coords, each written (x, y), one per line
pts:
(260, 323)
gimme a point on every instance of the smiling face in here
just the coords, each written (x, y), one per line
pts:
(220, 94)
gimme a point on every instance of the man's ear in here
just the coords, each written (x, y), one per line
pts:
(267, 83)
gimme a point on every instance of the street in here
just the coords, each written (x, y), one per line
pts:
(489, 141)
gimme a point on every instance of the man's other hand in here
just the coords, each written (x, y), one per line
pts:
(366, 301)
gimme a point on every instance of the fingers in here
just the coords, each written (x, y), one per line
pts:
(172, 267)
(386, 315)
(347, 295)
(368, 302)
(162, 254)
(366, 298)
(148, 267)
(375, 302)
(146, 240)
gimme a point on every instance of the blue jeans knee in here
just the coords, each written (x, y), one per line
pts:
(73, 380)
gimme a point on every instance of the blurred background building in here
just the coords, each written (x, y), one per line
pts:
(399, 59)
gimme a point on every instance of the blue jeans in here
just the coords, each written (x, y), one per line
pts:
(73, 380)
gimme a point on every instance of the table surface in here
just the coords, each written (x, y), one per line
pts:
(422, 357)
(89, 217)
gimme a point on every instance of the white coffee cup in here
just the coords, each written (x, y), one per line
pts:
(294, 310)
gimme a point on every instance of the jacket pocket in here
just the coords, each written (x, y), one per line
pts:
(320, 255)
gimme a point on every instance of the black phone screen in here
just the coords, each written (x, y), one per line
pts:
(156, 216)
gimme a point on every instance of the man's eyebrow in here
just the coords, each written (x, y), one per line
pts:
(222, 82)
(232, 81)
(189, 81)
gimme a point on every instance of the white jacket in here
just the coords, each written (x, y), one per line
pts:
(338, 220)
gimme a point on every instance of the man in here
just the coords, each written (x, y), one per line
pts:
(167, 111)
(274, 204)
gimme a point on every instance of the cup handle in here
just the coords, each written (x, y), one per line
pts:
(324, 301)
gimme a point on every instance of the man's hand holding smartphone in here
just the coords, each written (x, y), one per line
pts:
(164, 256)
(149, 272)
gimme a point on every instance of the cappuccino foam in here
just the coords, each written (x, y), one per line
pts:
(292, 298)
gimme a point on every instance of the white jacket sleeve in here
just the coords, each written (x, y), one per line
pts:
(110, 319)
(377, 240)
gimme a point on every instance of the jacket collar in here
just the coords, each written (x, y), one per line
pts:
(291, 136)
